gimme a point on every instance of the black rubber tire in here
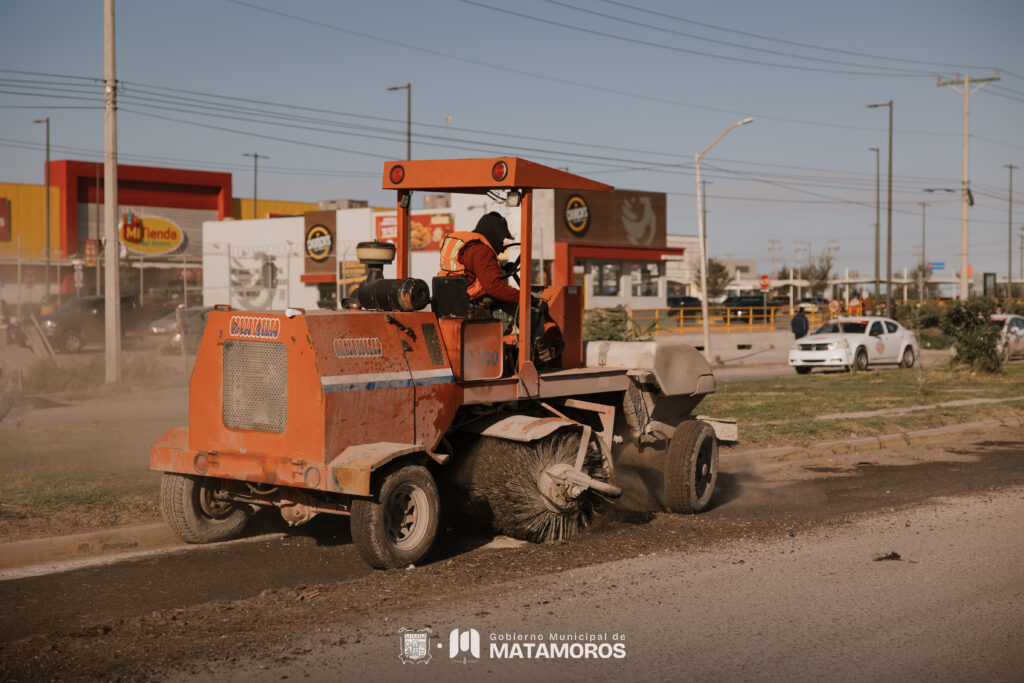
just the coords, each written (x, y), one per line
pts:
(691, 467)
(72, 341)
(188, 508)
(860, 361)
(907, 359)
(802, 369)
(383, 541)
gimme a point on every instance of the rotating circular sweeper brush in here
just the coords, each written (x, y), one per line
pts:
(549, 489)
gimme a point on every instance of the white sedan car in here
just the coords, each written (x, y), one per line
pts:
(1011, 336)
(854, 344)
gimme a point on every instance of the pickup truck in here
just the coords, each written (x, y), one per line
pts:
(81, 321)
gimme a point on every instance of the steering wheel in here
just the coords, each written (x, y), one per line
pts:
(512, 268)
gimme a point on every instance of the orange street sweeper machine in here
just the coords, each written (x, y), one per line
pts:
(413, 400)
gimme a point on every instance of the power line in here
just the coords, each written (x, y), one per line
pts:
(791, 42)
(725, 42)
(563, 81)
(649, 43)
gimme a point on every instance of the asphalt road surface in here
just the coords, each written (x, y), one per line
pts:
(780, 580)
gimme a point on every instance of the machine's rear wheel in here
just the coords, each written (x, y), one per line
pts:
(399, 527)
(691, 467)
(907, 361)
(191, 509)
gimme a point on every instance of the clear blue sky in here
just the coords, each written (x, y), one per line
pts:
(628, 100)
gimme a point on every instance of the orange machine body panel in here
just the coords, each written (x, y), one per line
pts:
(275, 399)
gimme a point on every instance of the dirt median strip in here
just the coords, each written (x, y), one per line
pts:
(870, 443)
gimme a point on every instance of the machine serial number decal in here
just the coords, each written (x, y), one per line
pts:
(358, 347)
(255, 327)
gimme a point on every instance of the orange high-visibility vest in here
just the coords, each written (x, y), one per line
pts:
(451, 266)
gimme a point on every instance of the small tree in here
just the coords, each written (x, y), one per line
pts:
(975, 339)
(718, 277)
(817, 273)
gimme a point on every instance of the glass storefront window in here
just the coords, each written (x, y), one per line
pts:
(644, 278)
(605, 278)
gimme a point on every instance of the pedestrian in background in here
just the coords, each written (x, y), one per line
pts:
(799, 324)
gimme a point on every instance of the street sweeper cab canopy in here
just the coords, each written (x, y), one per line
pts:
(509, 179)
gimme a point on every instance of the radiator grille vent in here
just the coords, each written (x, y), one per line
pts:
(255, 386)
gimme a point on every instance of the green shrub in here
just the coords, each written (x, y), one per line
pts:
(614, 324)
(974, 338)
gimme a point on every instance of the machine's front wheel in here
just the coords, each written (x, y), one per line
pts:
(802, 369)
(399, 526)
(193, 511)
(691, 467)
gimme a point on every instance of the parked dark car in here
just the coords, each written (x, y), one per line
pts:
(741, 308)
(690, 306)
(82, 321)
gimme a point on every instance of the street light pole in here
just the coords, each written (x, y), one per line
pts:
(255, 172)
(703, 239)
(47, 202)
(888, 248)
(878, 212)
(408, 117)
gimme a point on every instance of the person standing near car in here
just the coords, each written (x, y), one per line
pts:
(799, 324)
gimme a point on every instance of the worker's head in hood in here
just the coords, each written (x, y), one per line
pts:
(494, 229)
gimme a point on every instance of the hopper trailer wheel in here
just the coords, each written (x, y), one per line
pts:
(194, 513)
(399, 526)
(691, 467)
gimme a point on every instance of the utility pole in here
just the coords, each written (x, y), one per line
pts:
(965, 191)
(878, 212)
(47, 202)
(773, 244)
(255, 172)
(113, 286)
(924, 263)
(1009, 251)
(888, 248)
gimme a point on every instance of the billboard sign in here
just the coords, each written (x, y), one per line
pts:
(426, 230)
(149, 235)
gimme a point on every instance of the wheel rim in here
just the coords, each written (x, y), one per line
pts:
(407, 516)
(211, 507)
(703, 469)
(862, 360)
(908, 357)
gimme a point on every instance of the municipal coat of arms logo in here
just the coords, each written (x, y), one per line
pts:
(415, 645)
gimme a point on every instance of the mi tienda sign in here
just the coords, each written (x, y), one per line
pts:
(150, 236)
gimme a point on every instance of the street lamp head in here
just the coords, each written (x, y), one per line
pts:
(746, 121)
(46, 120)
(401, 87)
